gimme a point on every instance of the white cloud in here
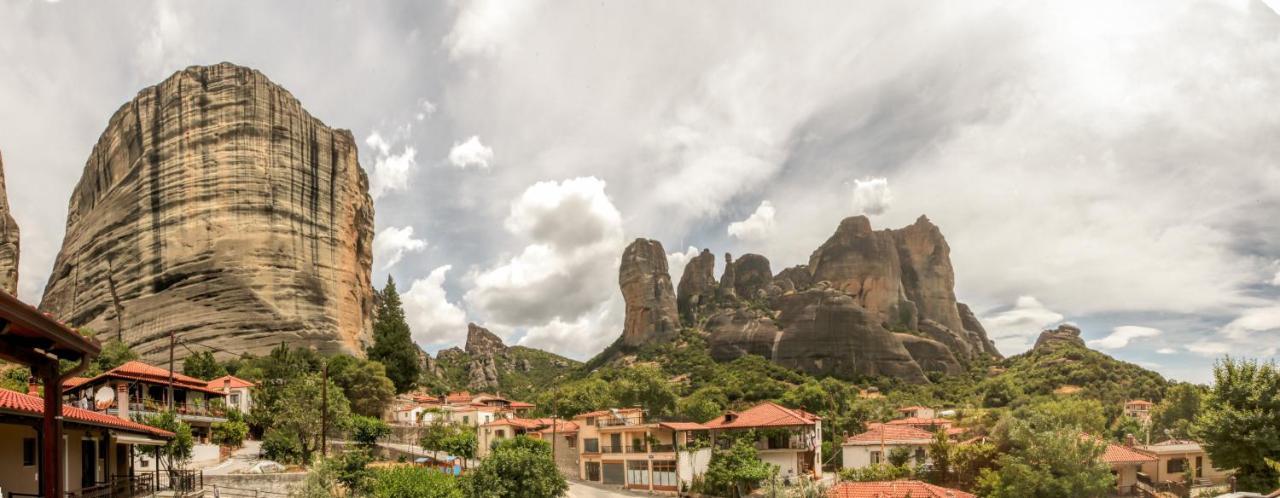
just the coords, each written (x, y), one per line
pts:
(390, 171)
(570, 265)
(758, 226)
(676, 262)
(425, 109)
(1013, 329)
(1121, 336)
(578, 338)
(433, 319)
(871, 196)
(1208, 348)
(390, 245)
(484, 26)
(1250, 322)
(471, 154)
(1166, 351)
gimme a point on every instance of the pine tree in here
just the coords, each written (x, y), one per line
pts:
(392, 342)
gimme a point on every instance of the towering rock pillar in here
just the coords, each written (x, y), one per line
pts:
(697, 286)
(8, 240)
(651, 313)
(215, 207)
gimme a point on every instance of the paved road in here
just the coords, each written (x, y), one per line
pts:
(240, 462)
(583, 490)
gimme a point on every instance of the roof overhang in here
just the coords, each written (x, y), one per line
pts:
(29, 337)
(136, 440)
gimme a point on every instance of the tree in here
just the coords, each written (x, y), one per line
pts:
(899, 456)
(1175, 415)
(1048, 464)
(580, 396)
(273, 373)
(393, 342)
(366, 431)
(999, 392)
(874, 473)
(462, 443)
(737, 470)
(1238, 425)
(970, 462)
(114, 353)
(203, 365)
(519, 467)
(175, 453)
(364, 383)
(352, 471)
(299, 415)
(645, 386)
(232, 432)
(1081, 415)
(703, 405)
(413, 482)
(942, 453)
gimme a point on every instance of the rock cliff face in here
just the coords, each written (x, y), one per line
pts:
(868, 303)
(215, 207)
(9, 241)
(651, 312)
(1063, 334)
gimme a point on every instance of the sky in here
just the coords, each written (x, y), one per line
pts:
(1108, 164)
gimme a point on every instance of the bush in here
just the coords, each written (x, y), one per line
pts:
(230, 433)
(282, 446)
(878, 472)
(351, 469)
(414, 482)
(366, 431)
(518, 468)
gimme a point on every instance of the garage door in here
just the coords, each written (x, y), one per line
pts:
(614, 473)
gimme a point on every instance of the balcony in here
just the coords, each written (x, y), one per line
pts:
(662, 448)
(612, 449)
(619, 422)
(185, 411)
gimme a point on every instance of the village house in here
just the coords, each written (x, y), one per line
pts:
(930, 424)
(1174, 458)
(916, 412)
(1139, 409)
(873, 446)
(1125, 463)
(142, 390)
(618, 447)
(564, 444)
(894, 489)
(238, 392)
(461, 408)
(790, 438)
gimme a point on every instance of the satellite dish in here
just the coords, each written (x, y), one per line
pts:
(104, 397)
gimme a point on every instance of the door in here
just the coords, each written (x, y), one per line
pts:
(88, 462)
(615, 473)
(615, 443)
(1199, 467)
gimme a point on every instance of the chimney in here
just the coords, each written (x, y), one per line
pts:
(226, 385)
(1130, 441)
(122, 400)
(33, 389)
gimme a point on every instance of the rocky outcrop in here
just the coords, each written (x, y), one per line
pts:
(481, 342)
(215, 207)
(697, 286)
(483, 348)
(751, 276)
(9, 241)
(651, 313)
(868, 303)
(1064, 334)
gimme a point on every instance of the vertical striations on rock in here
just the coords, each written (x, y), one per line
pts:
(651, 312)
(215, 207)
(697, 286)
(8, 240)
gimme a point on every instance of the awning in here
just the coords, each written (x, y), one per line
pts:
(124, 438)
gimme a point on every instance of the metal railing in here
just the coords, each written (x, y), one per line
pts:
(612, 449)
(619, 421)
(115, 487)
(662, 448)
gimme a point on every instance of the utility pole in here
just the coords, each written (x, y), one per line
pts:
(553, 425)
(171, 345)
(324, 411)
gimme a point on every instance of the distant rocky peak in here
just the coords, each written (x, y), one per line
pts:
(482, 342)
(651, 312)
(1064, 334)
(8, 241)
(854, 225)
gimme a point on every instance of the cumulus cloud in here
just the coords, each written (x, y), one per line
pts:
(581, 337)
(758, 226)
(1166, 351)
(569, 267)
(1012, 329)
(871, 196)
(425, 109)
(1208, 348)
(391, 171)
(434, 320)
(391, 244)
(471, 154)
(1121, 336)
(482, 27)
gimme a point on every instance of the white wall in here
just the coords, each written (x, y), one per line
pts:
(784, 459)
(692, 463)
(14, 478)
(856, 457)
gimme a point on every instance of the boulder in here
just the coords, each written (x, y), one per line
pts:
(752, 276)
(736, 332)
(697, 286)
(216, 207)
(8, 241)
(651, 313)
(795, 278)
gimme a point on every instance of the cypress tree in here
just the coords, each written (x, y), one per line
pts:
(392, 341)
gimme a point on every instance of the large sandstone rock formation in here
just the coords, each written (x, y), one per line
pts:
(868, 303)
(215, 207)
(1065, 333)
(651, 312)
(9, 241)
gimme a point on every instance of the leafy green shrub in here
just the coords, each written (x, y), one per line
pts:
(878, 472)
(351, 469)
(414, 482)
(737, 470)
(230, 433)
(366, 431)
(518, 468)
(282, 445)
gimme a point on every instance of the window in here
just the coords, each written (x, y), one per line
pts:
(502, 433)
(235, 400)
(466, 419)
(591, 445)
(28, 452)
(593, 471)
(664, 473)
(638, 472)
(920, 456)
(779, 441)
(1176, 465)
(875, 458)
(591, 421)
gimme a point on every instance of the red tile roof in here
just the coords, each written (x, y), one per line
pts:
(767, 414)
(523, 423)
(1116, 454)
(458, 397)
(894, 489)
(136, 370)
(521, 404)
(74, 381)
(604, 413)
(912, 408)
(236, 382)
(562, 427)
(918, 421)
(682, 426)
(11, 401)
(890, 433)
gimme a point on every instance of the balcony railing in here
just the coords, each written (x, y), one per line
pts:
(662, 448)
(612, 449)
(619, 421)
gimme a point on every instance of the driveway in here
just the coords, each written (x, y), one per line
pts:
(240, 462)
(578, 489)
